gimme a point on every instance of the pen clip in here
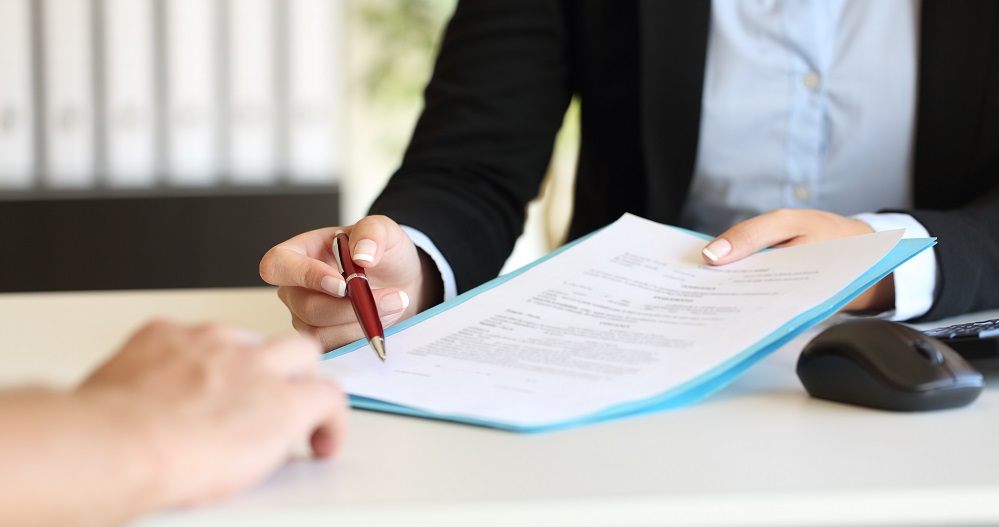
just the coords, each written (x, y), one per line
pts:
(336, 251)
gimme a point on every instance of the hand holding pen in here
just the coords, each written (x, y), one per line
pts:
(311, 286)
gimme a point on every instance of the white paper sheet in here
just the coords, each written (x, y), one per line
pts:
(627, 314)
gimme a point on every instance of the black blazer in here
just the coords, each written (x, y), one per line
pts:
(507, 70)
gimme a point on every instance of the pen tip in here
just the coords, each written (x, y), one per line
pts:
(378, 344)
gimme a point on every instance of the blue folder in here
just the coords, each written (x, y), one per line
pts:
(683, 395)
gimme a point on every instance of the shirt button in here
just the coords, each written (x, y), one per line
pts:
(811, 80)
(801, 193)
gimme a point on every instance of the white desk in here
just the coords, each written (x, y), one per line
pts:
(758, 453)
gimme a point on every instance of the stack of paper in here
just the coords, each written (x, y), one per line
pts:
(628, 320)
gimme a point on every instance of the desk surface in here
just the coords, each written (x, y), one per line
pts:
(760, 452)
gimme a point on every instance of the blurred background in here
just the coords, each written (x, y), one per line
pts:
(170, 143)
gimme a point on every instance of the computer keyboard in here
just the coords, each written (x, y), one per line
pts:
(978, 342)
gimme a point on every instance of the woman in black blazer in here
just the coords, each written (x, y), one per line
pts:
(505, 75)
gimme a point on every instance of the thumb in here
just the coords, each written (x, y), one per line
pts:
(391, 262)
(378, 240)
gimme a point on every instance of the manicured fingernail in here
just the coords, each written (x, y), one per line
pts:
(334, 286)
(394, 302)
(365, 251)
(717, 249)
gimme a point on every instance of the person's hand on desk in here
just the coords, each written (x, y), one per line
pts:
(404, 280)
(178, 417)
(789, 227)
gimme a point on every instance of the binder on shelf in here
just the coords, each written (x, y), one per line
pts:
(68, 65)
(316, 74)
(193, 146)
(17, 129)
(130, 97)
(253, 155)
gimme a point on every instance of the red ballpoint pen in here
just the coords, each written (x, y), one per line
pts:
(359, 293)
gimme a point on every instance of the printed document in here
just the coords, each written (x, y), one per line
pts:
(625, 315)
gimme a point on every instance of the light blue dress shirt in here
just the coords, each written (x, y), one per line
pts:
(807, 104)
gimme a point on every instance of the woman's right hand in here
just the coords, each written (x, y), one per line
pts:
(403, 279)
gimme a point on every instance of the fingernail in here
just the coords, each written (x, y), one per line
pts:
(334, 286)
(394, 302)
(717, 249)
(365, 251)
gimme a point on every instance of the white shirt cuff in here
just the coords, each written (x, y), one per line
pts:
(916, 279)
(447, 274)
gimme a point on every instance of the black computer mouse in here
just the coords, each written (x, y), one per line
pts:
(882, 364)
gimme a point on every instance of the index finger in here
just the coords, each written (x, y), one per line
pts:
(291, 356)
(751, 236)
(303, 261)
